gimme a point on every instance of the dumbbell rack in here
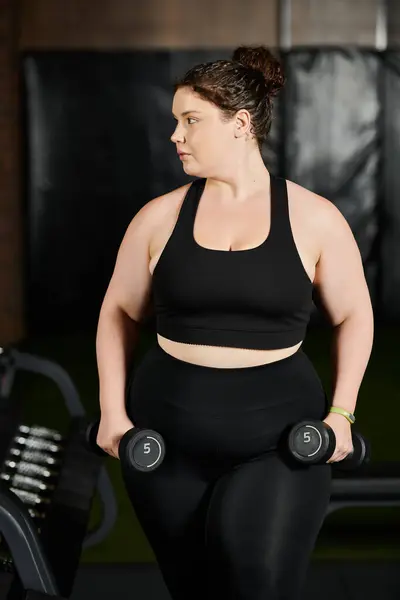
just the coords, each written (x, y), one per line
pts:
(43, 560)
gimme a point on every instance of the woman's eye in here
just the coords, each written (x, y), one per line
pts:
(189, 119)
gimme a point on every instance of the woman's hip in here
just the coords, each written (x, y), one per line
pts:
(233, 413)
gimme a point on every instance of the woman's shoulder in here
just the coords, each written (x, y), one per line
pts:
(159, 210)
(160, 207)
(161, 214)
(314, 208)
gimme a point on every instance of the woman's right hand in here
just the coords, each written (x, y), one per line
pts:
(111, 430)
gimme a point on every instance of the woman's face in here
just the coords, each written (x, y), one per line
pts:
(201, 134)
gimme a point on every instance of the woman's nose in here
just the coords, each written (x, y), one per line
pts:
(177, 136)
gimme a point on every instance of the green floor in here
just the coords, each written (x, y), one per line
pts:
(356, 533)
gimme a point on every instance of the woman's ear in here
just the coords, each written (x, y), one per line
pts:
(242, 123)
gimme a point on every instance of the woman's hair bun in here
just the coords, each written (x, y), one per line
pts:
(261, 59)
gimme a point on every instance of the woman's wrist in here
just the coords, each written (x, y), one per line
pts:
(343, 412)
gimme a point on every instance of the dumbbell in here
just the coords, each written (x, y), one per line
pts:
(34, 456)
(28, 468)
(314, 442)
(38, 431)
(30, 498)
(36, 443)
(142, 449)
(25, 482)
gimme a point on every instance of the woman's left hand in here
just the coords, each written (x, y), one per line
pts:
(342, 430)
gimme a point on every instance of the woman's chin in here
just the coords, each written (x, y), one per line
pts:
(191, 169)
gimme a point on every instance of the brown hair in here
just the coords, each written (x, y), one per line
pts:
(250, 80)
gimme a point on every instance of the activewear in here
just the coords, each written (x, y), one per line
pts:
(227, 514)
(259, 298)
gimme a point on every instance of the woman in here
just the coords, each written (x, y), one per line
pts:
(232, 260)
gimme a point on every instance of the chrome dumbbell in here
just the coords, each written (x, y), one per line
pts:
(35, 443)
(28, 468)
(30, 498)
(40, 432)
(35, 456)
(35, 514)
(24, 482)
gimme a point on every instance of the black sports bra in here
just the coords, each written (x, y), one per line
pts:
(259, 298)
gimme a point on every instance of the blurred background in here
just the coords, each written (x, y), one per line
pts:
(86, 91)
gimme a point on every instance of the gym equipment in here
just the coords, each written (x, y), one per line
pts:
(37, 457)
(29, 497)
(40, 432)
(37, 443)
(24, 482)
(47, 485)
(29, 468)
(142, 449)
(314, 442)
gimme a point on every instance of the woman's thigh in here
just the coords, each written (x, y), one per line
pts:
(263, 520)
(171, 504)
(215, 422)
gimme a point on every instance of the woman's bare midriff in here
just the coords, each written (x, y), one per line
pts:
(221, 356)
(208, 233)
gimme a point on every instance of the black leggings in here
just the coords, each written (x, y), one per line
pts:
(227, 514)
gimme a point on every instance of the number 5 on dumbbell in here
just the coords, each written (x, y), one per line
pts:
(142, 449)
(314, 442)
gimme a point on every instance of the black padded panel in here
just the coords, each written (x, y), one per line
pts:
(390, 188)
(332, 137)
(98, 143)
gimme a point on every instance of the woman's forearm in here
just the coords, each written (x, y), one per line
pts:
(117, 335)
(352, 345)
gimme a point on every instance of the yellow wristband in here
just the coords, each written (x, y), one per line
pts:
(341, 411)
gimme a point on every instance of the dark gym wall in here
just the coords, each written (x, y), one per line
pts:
(102, 25)
(390, 187)
(11, 276)
(333, 22)
(123, 24)
(156, 24)
(323, 138)
(393, 22)
(191, 24)
(332, 140)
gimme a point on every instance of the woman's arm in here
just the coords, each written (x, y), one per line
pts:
(123, 308)
(117, 336)
(342, 288)
(352, 345)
